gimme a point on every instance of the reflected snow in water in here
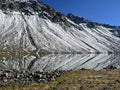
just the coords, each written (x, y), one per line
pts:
(60, 62)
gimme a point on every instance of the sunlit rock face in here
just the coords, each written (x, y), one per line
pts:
(33, 26)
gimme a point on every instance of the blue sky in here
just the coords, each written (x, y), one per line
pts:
(103, 11)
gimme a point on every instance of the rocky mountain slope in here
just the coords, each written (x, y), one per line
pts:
(33, 26)
(114, 29)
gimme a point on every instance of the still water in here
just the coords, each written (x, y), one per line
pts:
(59, 62)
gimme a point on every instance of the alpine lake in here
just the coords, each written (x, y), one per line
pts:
(21, 71)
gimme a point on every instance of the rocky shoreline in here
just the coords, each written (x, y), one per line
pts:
(12, 77)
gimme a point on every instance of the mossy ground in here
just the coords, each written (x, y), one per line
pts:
(77, 80)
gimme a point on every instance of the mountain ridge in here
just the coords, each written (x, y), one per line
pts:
(78, 19)
(91, 24)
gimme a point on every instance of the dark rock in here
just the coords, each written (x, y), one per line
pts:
(117, 81)
(82, 69)
(90, 25)
(11, 6)
(2, 6)
(76, 19)
(36, 76)
(110, 67)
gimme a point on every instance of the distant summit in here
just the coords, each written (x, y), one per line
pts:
(79, 20)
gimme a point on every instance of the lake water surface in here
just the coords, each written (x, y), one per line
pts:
(59, 62)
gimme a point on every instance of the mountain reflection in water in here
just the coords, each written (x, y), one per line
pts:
(60, 62)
